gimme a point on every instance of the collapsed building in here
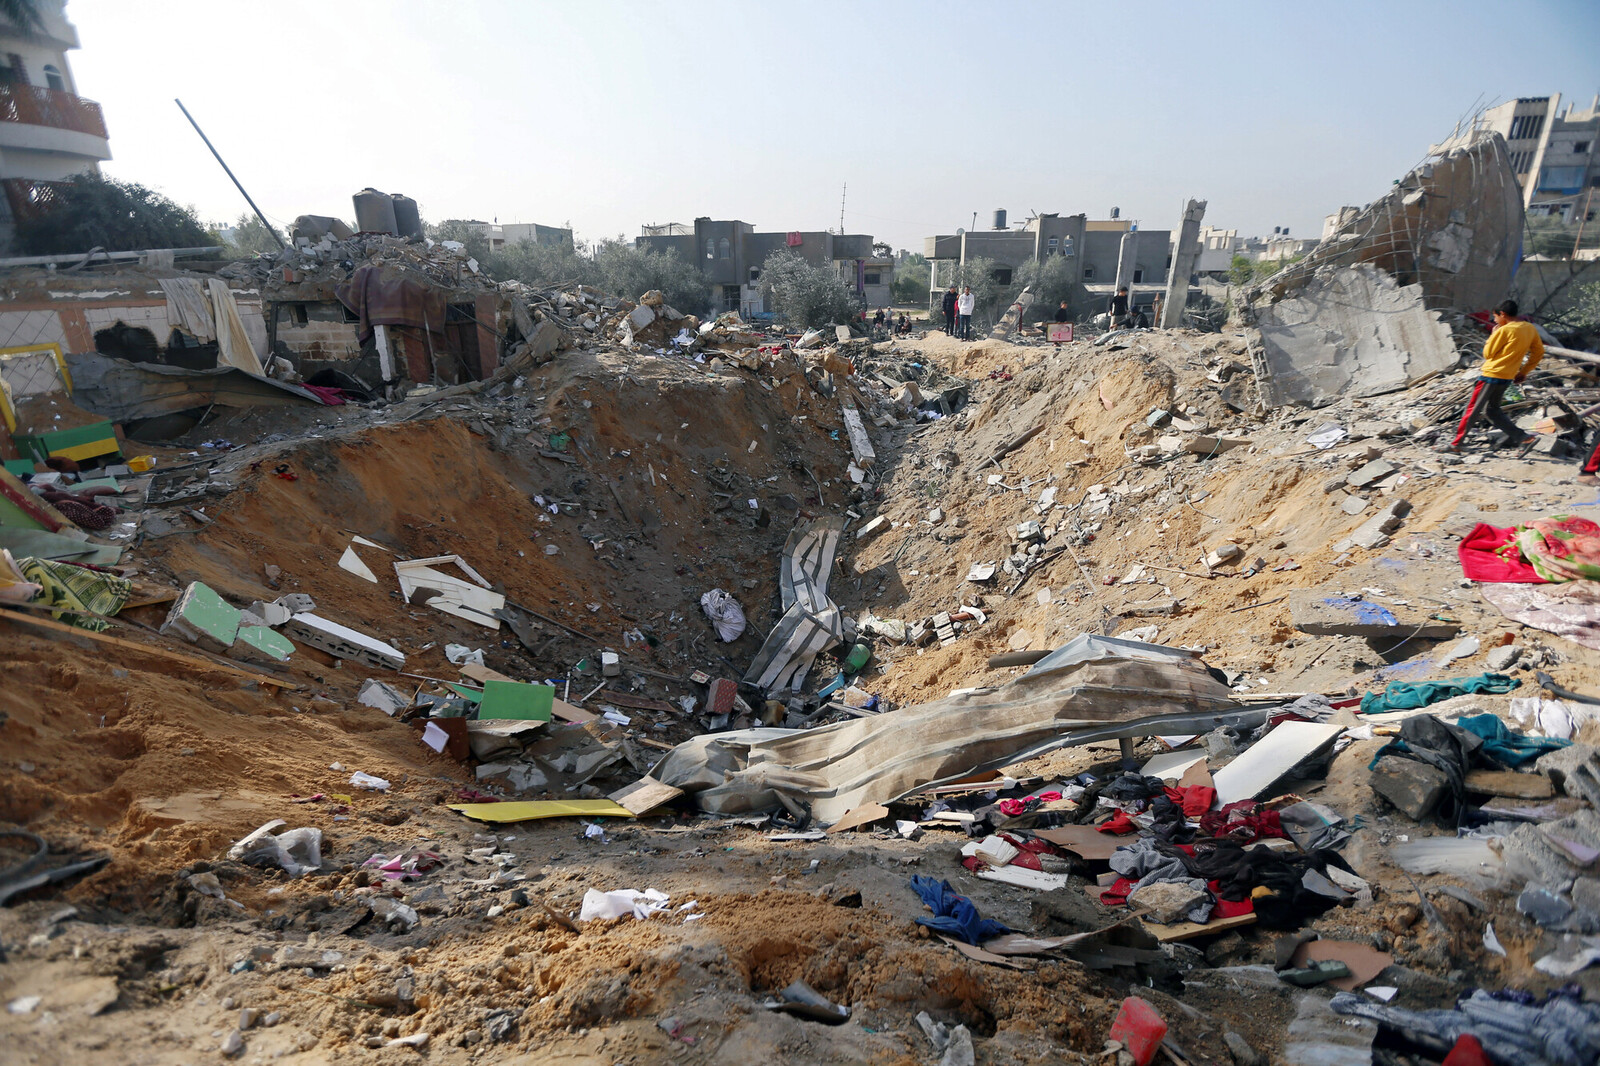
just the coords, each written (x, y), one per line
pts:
(1370, 309)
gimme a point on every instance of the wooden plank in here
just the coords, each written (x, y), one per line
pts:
(568, 713)
(637, 703)
(1168, 934)
(480, 674)
(644, 795)
(146, 649)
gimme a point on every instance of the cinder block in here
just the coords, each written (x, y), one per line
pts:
(202, 617)
(1412, 786)
(343, 642)
(261, 642)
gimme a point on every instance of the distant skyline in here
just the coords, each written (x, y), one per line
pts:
(610, 115)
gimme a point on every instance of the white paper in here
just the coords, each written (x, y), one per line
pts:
(361, 780)
(435, 737)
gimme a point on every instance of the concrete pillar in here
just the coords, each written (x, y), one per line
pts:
(1183, 261)
(1125, 256)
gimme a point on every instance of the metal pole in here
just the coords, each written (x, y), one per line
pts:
(235, 180)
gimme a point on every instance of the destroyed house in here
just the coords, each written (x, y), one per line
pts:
(729, 255)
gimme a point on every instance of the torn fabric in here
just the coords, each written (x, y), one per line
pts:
(233, 343)
(1090, 689)
(189, 308)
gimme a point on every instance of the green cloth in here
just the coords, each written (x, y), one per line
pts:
(75, 589)
(1406, 695)
(1504, 746)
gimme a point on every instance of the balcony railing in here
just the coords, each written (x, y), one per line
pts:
(61, 110)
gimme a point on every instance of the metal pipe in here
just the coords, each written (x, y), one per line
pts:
(252, 203)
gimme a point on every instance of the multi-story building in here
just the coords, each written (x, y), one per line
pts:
(1094, 249)
(47, 131)
(729, 254)
(1553, 152)
(501, 235)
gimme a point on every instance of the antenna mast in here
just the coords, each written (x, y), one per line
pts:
(842, 191)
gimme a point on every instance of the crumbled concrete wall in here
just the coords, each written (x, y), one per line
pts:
(1349, 331)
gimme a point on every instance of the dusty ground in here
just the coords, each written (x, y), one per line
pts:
(162, 766)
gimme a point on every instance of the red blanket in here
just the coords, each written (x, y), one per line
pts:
(1491, 554)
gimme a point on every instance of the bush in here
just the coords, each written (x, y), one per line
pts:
(806, 295)
(543, 266)
(91, 211)
(1052, 282)
(249, 238)
(911, 280)
(630, 272)
(989, 296)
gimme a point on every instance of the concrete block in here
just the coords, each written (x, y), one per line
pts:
(1376, 470)
(640, 317)
(202, 617)
(1208, 445)
(261, 643)
(1222, 555)
(271, 614)
(296, 602)
(1375, 428)
(1412, 786)
(872, 528)
(1334, 484)
(1149, 608)
(1550, 444)
(343, 642)
(1353, 505)
(1503, 658)
(1574, 769)
(1167, 901)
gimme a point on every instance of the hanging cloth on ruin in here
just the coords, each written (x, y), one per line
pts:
(386, 296)
(233, 343)
(189, 308)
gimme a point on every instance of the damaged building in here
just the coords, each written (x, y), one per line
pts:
(1366, 311)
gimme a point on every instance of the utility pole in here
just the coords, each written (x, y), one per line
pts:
(252, 203)
(842, 191)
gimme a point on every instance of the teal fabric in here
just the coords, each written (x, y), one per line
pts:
(1407, 695)
(1504, 746)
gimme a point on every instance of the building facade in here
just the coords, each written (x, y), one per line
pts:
(729, 255)
(1094, 250)
(500, 235)
(48, 133)
(1553, 152)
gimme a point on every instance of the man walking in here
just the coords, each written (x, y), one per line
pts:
(1511, 353)
(950, 300)
(964, 306)
(1119, 309)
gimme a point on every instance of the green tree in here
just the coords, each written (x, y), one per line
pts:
(1555, 238)
(989, 296)
(542, 265)
(1241, 269)
(912, 275)
(1585, 310)
(454, 229)
(630, 272)
(250, 237)
(91, 211)
(806, 295)
(1051, 279)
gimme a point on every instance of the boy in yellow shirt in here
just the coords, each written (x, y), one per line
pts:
(1510, 354)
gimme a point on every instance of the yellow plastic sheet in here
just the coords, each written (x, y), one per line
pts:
(531, 810)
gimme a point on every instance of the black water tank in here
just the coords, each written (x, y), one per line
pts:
(1000, 218)
(407, 218)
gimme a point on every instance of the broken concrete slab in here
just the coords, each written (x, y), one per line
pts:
(343, 642)
(1353, 331)
(1374, 532)
(1319, 1037)
(1353, 505)
(1264, 762)
(1322, 613)
(204, 618)
(261, 643)
(1376, 470)
(1207, 445)
(1414, 787)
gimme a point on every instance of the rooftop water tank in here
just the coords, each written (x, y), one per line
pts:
(374, 212)
(408, 219)
(1000, 218)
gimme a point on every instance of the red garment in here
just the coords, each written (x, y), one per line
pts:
(1467, 1052)
(1491, 554)
(1195, 800)
(1012, 808)
(1119, 825)
(1117, 894)
(1245, 821)
(1229, 908)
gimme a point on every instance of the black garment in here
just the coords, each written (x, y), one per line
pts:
(1447, 748)
(1119, 307)
(950, 313)
(1063, 315)
(1288, 903)
(1488, 407)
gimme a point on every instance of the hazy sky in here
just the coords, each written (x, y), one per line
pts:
(608, 115)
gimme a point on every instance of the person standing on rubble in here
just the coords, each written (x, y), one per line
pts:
(1062, 315)
(964, 305)
(1511, 353)
(950, 300)
(1119, 309)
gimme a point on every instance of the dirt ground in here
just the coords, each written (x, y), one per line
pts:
(684, 479)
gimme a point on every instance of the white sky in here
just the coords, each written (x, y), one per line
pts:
(608, 115)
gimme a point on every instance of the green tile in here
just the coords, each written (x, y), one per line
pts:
(514, 699)
(268, 642)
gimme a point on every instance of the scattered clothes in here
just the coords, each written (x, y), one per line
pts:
(1119, 824)
(1505, 747)
(1243, 821)
(1409, 695)
(1012, 808)
(1148, 861)
(1275, 882)
(1568, 610)
(954, 914)
(81, 508)
(1550, 718)
(72, 589)
(407, 867)
(1490, 554)
(1562, 1032)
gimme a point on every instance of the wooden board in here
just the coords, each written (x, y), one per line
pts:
(568, 713)
(146, 649)
(1084, 841)
(644, 795)
(1509, 783)
(1189, 930)
(636, 703)
(863, 815)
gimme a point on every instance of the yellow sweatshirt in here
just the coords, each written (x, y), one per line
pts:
(1508, 346)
